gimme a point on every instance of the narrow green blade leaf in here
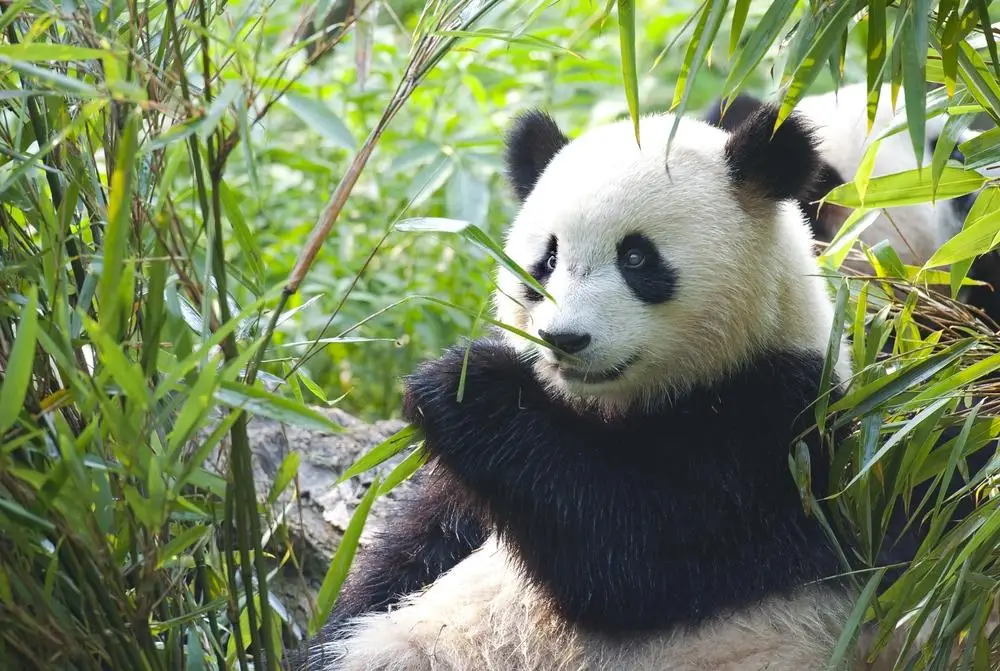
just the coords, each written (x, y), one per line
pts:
(816, 55)
(17, 377)
(321, 119)
(387, 449)
(476, 236)
(342, 560)
(739, 20)
(757, 44)
(111, 289)
(907, 188)
(260, 402)
(630, 77)
(876, 51)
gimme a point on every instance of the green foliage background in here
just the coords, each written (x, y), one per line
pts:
(164, 166)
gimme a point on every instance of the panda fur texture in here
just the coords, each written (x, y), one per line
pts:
(626, 502)
(915, 231)
(841, 123)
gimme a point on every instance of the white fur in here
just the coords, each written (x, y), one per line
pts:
(481, 616)
(747, 277)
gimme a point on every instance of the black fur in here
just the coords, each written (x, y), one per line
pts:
(540, 270)
(655, 281)
(780, 164)
(826, 177)
(740, 109)
(428, 534)
(642, 523)
(532, 141)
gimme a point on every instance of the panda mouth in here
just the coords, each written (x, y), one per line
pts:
(593, 376)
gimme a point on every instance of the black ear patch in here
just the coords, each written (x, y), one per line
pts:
(778, 165)
(740, 109)
(532, 141)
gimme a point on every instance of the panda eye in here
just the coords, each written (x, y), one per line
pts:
(634, 259)
(550, 262)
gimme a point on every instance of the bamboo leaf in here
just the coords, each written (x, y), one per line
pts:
(979, 234)
(321, 119)
(914, 51)
(876, 52)
(382, 452)
(48, 51)
(701, 41)
(907, 188)
(816, 55)
(757, 44)
(260, 402)
(288, 469)
(474, 235)
(630, 77)
(111, 287)
(17, 377)
(853, 625)
(739, 20)
(341, 564)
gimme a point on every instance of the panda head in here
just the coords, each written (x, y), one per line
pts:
(666, 272)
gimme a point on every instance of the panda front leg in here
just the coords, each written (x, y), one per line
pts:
(584, 523)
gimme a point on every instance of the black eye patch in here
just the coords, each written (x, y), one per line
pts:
(542, 269)
(650, 278)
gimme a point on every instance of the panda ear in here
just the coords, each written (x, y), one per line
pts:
(777, 165)
(739, 110)
(532, 141)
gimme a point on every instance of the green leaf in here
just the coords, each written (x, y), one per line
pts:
(950, 134)
(467, 197)
(983, 150)
(476, 236)
(907, 188)
(979, 234)
(218, 107)
(17, 377)
(342, 560)
(179, 543)
(853, 625)
(760, 40)
(58, 81)
(816, 55)
(914, 51)
(128, 374)
(701, 41)
(927, 412)
(19, 513)
(244, 237)
(286, 471)
(739, 20)
(321, 119)
(114, 292)
(404, 470)
(259, 402)
(876, 52)
(861, 401)
(630, 78)
(45, 51)
(382, 452)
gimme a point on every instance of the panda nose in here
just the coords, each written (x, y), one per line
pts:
(568, 342)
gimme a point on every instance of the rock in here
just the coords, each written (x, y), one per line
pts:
(316, 519)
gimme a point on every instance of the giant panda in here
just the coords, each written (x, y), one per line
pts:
(915, 232)
(613, 491)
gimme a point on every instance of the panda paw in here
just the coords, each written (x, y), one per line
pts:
(494, 378)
